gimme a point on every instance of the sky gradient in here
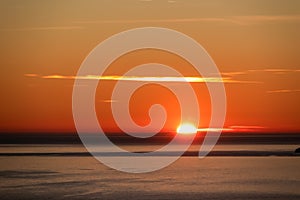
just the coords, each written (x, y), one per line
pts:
(255, 45)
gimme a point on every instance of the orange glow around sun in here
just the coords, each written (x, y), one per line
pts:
(187, 128)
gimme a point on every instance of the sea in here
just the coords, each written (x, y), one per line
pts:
(230, 171)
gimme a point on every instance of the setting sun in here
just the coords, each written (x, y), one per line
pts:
(186, 129)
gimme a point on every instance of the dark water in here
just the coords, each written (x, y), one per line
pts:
(27, 175)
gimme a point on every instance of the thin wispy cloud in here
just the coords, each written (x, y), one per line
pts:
(214, 129)
(132, 21)
(233, 73)
(246, 127)
(227, 77)
(235, 128)
(136, 78)
(283, 91)
(189, 79)
(275, 70)
(31, 75)
(108, 101)
(268, 18)
(266, 70)
(49, 28)
(238, 20)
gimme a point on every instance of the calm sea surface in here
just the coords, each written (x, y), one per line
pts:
(30, 176)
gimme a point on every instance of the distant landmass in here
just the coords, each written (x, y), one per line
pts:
(161, 138)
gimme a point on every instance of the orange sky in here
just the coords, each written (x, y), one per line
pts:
(255, 44)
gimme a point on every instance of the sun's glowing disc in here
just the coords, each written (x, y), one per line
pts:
(186, 129)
